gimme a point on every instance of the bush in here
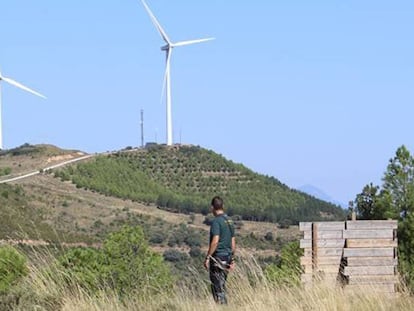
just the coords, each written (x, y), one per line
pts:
(125, 264)
(12, 267)
(130, 265)
(84, 266)
(173, 255)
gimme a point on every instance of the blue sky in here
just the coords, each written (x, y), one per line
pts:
(310, 92)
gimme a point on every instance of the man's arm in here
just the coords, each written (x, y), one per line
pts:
(233, 245)
(211, 249)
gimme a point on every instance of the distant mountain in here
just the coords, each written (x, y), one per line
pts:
(320, 194)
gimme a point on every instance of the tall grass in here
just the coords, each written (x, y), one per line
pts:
(248, 289)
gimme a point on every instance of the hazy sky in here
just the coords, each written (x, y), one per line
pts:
(310, 92)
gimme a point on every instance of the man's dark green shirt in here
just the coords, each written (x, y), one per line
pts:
(222, 226)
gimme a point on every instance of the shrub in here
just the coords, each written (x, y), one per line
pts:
(12, 267)
(130, 265)
(125, 264)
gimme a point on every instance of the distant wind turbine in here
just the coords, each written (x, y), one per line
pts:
(167, 79)
(20, 86)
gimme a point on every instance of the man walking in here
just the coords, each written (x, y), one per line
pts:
(219, 259)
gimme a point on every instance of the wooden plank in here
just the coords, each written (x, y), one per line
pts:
(371, 224)
(331, 260)
(307, 235)
(372, 279)
(369, 270)
(323, 243)
(369, 234)
(305, 261)
(323, 252)
(329, 243)
(368, 252)
(305, 226)
(307, 252)
(329, 234)
(305, 243)
(329, 225)
(381, 243)
(371, 261)
(307, 268)
(372, 288)
(330, 269)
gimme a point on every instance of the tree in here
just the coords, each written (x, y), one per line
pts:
(130, 265)
(366, 203)
(399, 183)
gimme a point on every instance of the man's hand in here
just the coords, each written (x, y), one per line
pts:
(232, 265)
(206, 263)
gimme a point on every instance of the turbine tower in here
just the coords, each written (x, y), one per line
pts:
(20, 86)
(168, 47)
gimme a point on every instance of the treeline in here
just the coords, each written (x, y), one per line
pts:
(394, 199)
(183, 179)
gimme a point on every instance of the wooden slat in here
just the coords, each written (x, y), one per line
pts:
(369, 288)
(307, 268)
(305, 261)
(369, 270)
(330, 269)
(305, 226)
(323, 243)
(330, 225)
(307, 235)
(372, 279)
(381, 243)
(329, 234)
(369, 234)
(305, 243)
(371, 224)
(323, 252)
(368, 252)
(307, 252)
(371, 261)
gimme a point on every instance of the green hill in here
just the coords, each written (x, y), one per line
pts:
(184, 178)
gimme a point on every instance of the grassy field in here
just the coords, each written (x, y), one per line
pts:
(248, 289)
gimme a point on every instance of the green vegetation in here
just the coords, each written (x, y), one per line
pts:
(183, 179)
(19, 219)
(395, 200)
(125, 264)
(12, 268)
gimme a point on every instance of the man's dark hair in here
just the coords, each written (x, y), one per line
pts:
(217, 203)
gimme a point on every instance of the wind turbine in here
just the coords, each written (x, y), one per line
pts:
(20, 86)
(168, 47)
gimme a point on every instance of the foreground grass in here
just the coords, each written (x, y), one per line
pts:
(248, 289)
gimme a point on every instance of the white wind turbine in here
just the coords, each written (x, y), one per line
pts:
(167, 80)
(20, 86)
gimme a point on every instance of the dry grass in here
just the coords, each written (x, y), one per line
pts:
(248, 289)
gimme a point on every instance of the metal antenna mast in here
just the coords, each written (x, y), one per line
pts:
(142, 128)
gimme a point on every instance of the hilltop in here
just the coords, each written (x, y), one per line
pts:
(184, 178)
(166, 190)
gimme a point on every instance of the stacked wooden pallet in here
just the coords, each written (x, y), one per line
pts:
(323, 245)
(370, 254)
(360, 253)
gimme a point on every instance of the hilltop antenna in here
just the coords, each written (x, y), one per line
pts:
(142, 128)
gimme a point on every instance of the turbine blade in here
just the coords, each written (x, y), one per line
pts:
(181, 43)
(156, 23)
(166, 73)
(21, 86)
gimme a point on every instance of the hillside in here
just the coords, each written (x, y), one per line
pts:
(43, 208)
(184, 178)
